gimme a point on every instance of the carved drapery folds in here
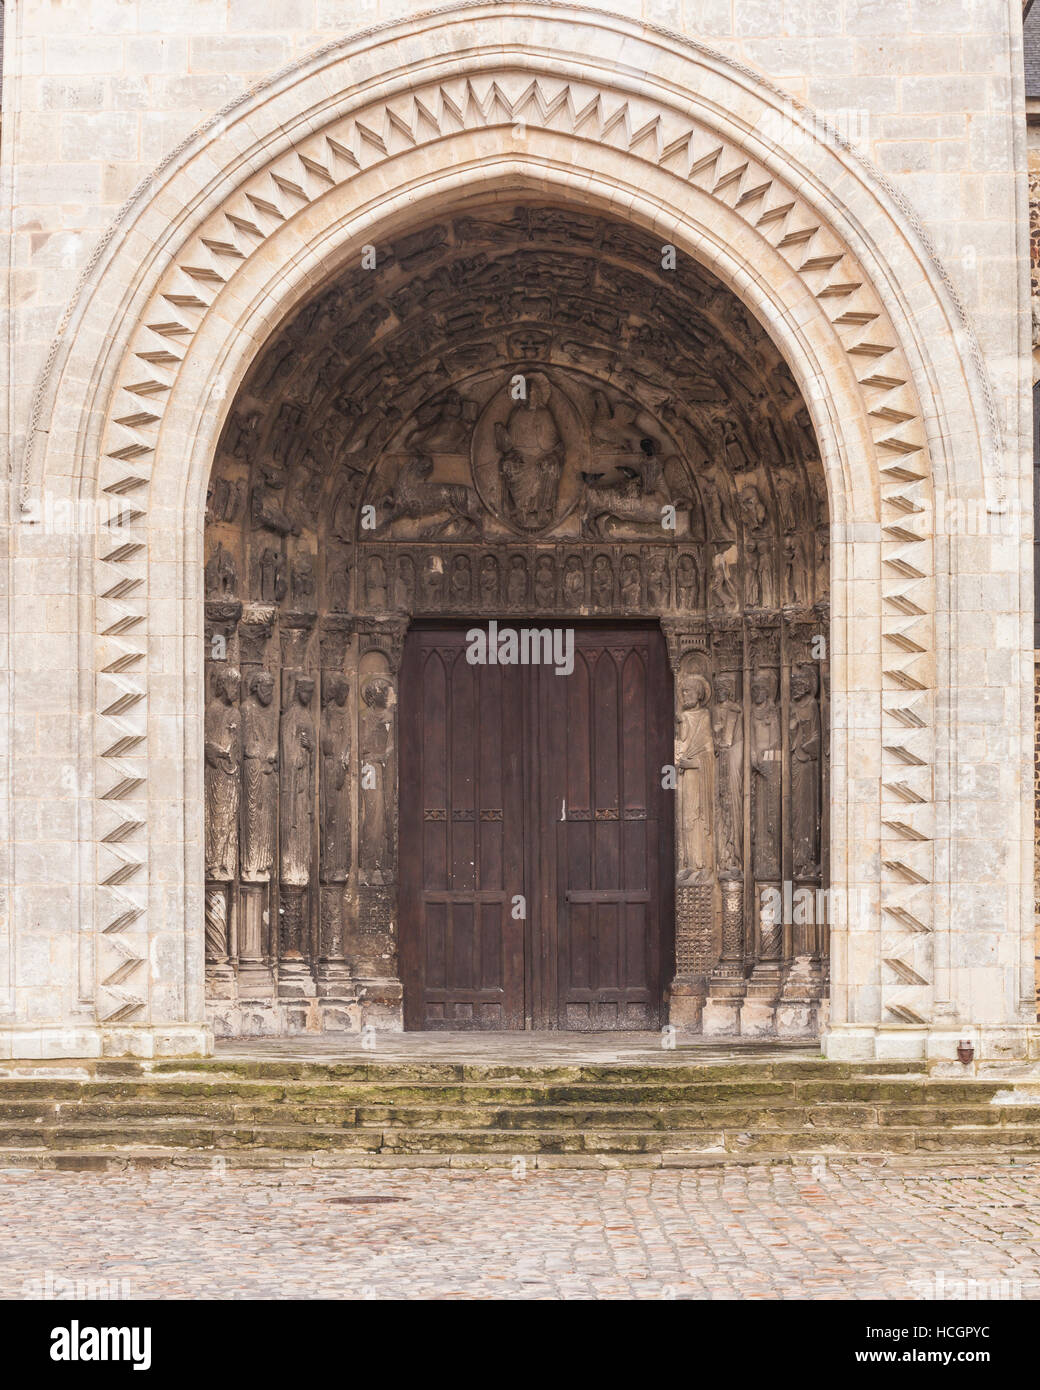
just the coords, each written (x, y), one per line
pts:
(516, 412)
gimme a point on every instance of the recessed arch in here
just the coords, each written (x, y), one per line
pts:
(239, 224)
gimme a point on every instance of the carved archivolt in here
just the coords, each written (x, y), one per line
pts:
(521, 411)
(666, 138)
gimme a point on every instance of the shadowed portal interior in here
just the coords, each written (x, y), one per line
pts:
(536, 416)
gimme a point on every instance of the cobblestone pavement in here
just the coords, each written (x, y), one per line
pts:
(846, 1231)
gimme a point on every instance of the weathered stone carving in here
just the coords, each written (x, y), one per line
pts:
(516, 584)
(695, 762)
(442, 426)
(728, 731)
(216, 923)
(273, 585)
(635, 505)
(375, 583)
(573, 582)
(223, 762)
(260, 778)
(488, 582)
(439, 509)
(338, 585)
(530, 458)
(765, 774)
(602, 582)
(378, 808)
(658, 584)
(461, 580)
(337, 789)
(722, 593)
(267, 515)
(221, 575)
(304, 582)
(805, 771)
(297, 790)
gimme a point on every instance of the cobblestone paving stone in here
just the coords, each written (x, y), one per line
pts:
(835, 1231)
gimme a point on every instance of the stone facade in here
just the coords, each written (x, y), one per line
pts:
(182, 179)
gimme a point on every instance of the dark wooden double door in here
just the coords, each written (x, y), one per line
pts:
(536, 841)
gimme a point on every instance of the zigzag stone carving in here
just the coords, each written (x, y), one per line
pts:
(664, 138)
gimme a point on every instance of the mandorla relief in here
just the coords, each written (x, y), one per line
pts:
(516, 413)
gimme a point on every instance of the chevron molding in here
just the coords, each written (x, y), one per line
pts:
(329, 158)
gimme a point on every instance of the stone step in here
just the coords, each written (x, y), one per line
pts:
(387, 1112)
(448, 1073)
(170, 1134)
(918, 1091)
(778, 1113)
(138, 1158)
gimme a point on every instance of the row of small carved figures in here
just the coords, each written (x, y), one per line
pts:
(657, 577)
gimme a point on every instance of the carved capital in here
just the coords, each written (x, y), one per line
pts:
(384, 635)
(684, 635)
(255, 629)
(337, 632)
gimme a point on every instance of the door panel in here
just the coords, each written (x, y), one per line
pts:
(461, 838)
(612, 828)
(516, 780)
